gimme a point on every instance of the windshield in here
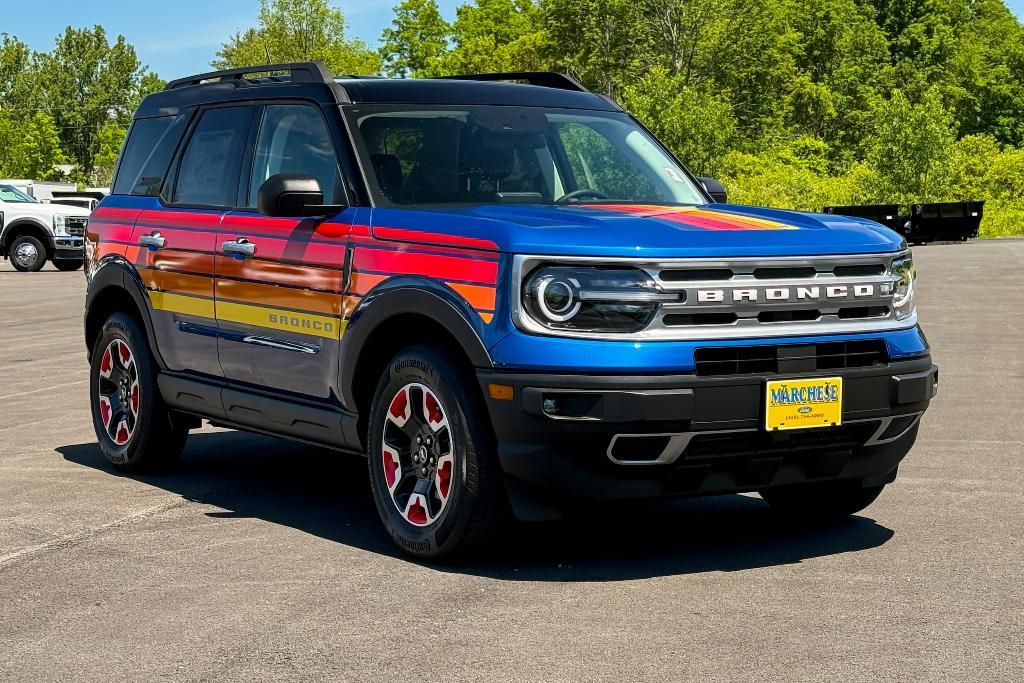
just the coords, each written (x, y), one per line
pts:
(501, 154)
(9, 193)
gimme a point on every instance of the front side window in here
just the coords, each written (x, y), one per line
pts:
(143, 138)
(9, 193)
(295, 139)
(208, 174)
(489, 154)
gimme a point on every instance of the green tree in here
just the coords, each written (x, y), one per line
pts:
(417, 39)
(698, 126)
(85, 83)
(298, 31)
(495, 36)
(603, 43)
(111, 138)
(31, 146)
(909, 152)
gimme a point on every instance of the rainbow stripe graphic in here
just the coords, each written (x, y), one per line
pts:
(695, 217)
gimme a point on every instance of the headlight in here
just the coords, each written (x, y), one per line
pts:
(903, 294)
(590, 299)
(60, 225)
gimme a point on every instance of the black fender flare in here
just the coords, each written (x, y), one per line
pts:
(115, 271)
(403, 295)
(21, 222)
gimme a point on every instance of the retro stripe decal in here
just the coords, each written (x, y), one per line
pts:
(179, 303)
(287, 321)
(695, 217)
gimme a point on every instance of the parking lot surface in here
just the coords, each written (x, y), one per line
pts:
(259, 558)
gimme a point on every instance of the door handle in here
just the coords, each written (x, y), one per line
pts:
(153, 242)
(240, 248)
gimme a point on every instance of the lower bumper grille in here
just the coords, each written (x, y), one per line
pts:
(782, 358)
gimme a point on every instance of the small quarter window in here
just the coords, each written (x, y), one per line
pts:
(143, 143)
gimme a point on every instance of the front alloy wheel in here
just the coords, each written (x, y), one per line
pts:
(417, 454)
(434, 471)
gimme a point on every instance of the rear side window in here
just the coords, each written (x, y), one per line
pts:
(208, 174)
(144, 140)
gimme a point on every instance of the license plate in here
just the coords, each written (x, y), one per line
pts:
(803, 403)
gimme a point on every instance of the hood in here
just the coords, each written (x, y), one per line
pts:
(640, 230)
(40, 210)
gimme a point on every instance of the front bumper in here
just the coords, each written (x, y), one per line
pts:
(67, 248)
(632, 437)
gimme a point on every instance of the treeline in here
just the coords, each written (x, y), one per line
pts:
(793, 103)
(68, 107)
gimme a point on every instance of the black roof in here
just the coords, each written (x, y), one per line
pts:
(312, 80)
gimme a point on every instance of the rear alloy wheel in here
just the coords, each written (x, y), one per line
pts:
(27, 254)
(118, 392)
(434, 472)
(135, 428)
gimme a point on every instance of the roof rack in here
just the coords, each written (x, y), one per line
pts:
(547, 79)
(301, 72)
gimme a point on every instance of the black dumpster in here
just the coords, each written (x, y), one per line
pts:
(886, 214)
(946, 221)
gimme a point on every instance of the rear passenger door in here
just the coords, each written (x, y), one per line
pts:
(279, 296)
(177, 238)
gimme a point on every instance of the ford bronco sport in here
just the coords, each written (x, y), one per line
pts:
(503, 289)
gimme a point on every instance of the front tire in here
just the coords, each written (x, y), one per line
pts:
(27, 254)
(432, 456)
(135, 429)
(824, 502)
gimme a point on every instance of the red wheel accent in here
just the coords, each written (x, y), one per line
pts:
(416, 512)
(391, 466)
(418, 455)
(432, 407)
(106, 363)
(444, 478)
(105, 412)
(133, 399)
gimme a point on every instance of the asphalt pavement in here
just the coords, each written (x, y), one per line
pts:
(263, 559)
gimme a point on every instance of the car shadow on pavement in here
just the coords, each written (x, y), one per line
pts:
(327, 494)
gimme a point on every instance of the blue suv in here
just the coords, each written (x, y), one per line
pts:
(503, 290)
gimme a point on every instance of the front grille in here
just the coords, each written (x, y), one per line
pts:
(753, 297)
(783, 358)
(76, 225)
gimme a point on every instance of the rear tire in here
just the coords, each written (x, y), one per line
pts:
(67, 266)
(27, 254)
(434, 469)
(826, 501)
(135, 429)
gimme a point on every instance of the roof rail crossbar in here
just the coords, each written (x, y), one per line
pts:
(548, 79)
(301, 72)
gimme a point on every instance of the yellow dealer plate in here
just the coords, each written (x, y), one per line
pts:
(803, 403)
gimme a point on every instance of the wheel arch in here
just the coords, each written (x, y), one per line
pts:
(116, 287)
(26, 226)
(379, 328)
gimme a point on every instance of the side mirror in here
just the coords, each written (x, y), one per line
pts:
(293, 195)
(715, 188)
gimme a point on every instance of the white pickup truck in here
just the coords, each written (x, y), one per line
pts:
(32, 233)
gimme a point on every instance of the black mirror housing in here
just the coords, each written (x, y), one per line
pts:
(293, 195)
(715, 188)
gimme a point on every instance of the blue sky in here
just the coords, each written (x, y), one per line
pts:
(180, 37)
